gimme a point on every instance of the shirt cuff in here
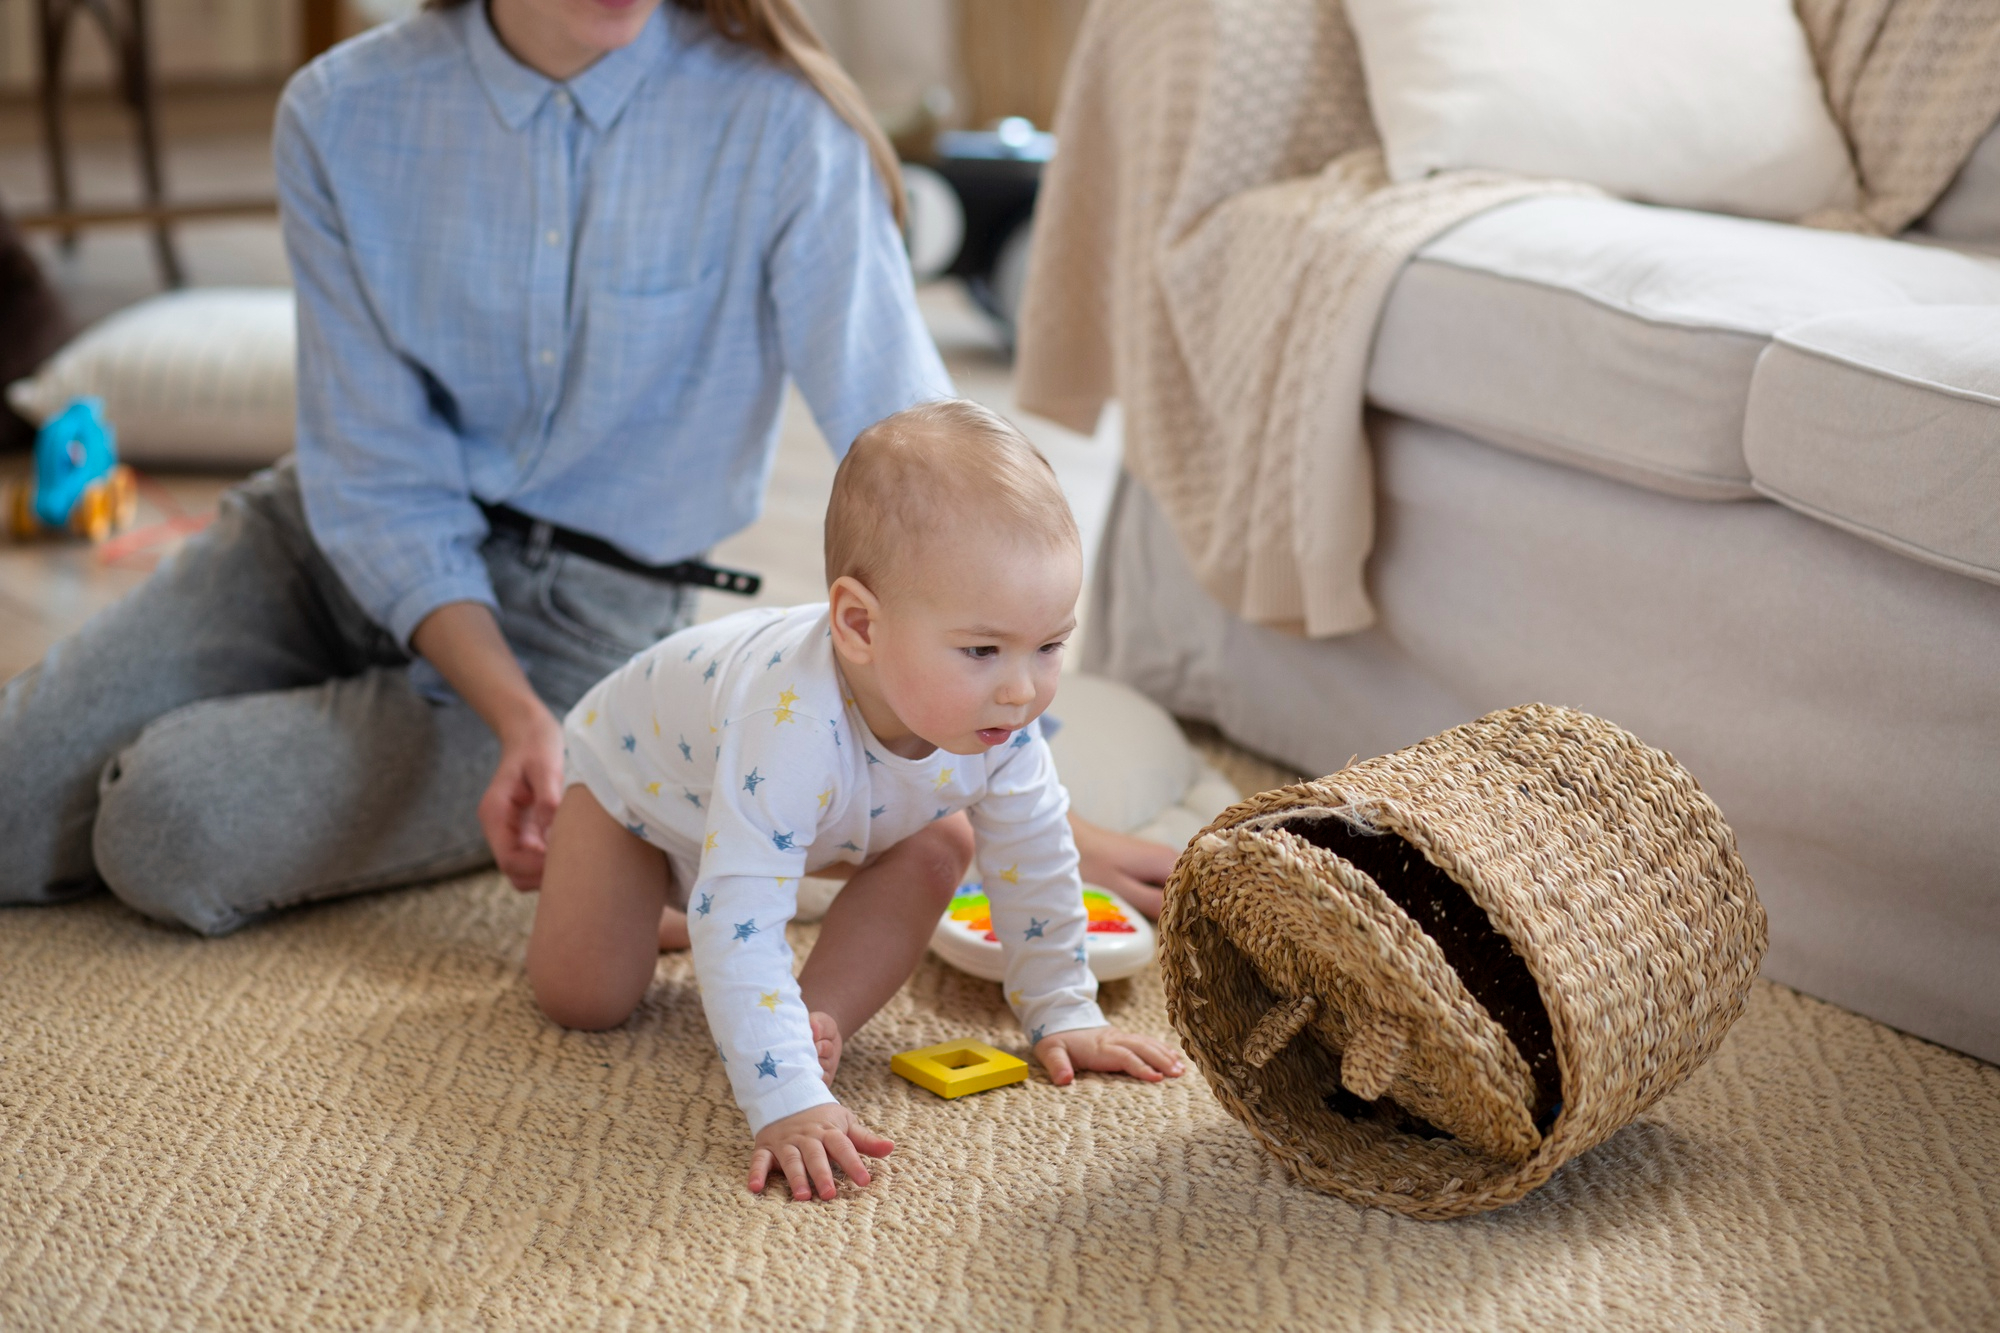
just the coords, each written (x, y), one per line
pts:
(1061, 1018)
(408, 611)
(801, 1094)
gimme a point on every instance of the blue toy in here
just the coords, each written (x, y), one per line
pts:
(80, 487)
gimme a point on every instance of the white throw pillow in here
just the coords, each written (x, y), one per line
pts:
(1710, 104)
(198, 376)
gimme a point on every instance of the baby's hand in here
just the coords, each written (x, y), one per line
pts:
(1106, 1049)
(808, 1144)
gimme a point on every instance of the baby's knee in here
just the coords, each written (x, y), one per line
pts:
(583, 1003)
(160, 844)
(940, 855)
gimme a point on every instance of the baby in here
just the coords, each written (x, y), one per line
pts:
(720, 765)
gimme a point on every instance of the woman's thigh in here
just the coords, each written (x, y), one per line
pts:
(572, 621)
(229, 809)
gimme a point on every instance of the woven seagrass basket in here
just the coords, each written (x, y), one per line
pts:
(1427, 981)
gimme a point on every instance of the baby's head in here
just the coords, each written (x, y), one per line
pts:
(953, 567)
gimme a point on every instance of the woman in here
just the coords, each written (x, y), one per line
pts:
(555, 260)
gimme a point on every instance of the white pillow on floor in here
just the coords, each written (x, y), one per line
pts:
(1709, 104)
(201, 376)
(1121, 756)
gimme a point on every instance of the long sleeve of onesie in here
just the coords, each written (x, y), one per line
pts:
(1028, 862)
(776, 771)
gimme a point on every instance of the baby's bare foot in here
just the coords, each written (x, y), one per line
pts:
(673, 929)
(826, 1040)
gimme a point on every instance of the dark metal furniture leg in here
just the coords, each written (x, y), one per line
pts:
(124, 26)
(53, 18)
(135, 56)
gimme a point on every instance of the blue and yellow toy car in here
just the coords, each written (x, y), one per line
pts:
(79, 487)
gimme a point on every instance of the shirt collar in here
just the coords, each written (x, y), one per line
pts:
(601, 91)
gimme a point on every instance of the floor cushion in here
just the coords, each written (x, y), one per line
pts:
(1887, 423)
(1621, 338)
(203, 376)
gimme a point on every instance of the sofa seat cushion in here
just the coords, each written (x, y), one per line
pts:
(1621, 338)
(1887, 423)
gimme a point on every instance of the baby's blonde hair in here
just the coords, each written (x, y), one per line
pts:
(911, 475)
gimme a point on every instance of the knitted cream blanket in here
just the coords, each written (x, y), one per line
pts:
(1217, 236)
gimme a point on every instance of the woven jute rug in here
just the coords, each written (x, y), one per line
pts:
(354, 1117)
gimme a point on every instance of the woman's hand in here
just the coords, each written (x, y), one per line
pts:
(463, 641)
(520, 802)
(1108, 1050)
(1130, 867)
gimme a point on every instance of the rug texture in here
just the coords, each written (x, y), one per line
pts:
(354, 1117)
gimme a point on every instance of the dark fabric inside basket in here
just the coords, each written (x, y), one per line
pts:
(1485, 960)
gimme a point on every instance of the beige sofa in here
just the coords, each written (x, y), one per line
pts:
(1733, 484)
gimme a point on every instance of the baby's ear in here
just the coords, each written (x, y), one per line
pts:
(854, 611)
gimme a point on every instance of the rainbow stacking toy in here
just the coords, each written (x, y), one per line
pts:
(1120, 940)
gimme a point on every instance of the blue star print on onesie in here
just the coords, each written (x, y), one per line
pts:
(777, 792)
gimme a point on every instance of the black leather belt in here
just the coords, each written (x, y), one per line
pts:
(690, 573)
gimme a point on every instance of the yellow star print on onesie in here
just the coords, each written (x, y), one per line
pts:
(783, 712)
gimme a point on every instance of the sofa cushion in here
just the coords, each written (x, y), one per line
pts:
(1887, 423)
(1621, 338)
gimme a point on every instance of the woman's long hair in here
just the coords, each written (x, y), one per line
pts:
(780, 29)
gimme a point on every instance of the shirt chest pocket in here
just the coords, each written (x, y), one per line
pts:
(640, 352)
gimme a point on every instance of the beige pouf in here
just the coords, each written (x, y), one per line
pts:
(1427, 981)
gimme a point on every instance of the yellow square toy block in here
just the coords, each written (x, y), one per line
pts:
(954, 1068)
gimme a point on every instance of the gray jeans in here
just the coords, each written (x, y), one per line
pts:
(237, 736)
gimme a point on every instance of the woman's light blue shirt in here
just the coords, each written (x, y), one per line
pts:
(579, 299)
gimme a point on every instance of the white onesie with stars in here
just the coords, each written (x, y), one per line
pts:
(733, 748)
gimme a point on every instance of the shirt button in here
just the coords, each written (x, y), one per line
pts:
(554, 237)
(548, 357)
(562, 97)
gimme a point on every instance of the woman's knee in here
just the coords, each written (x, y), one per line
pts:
(161, 843)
